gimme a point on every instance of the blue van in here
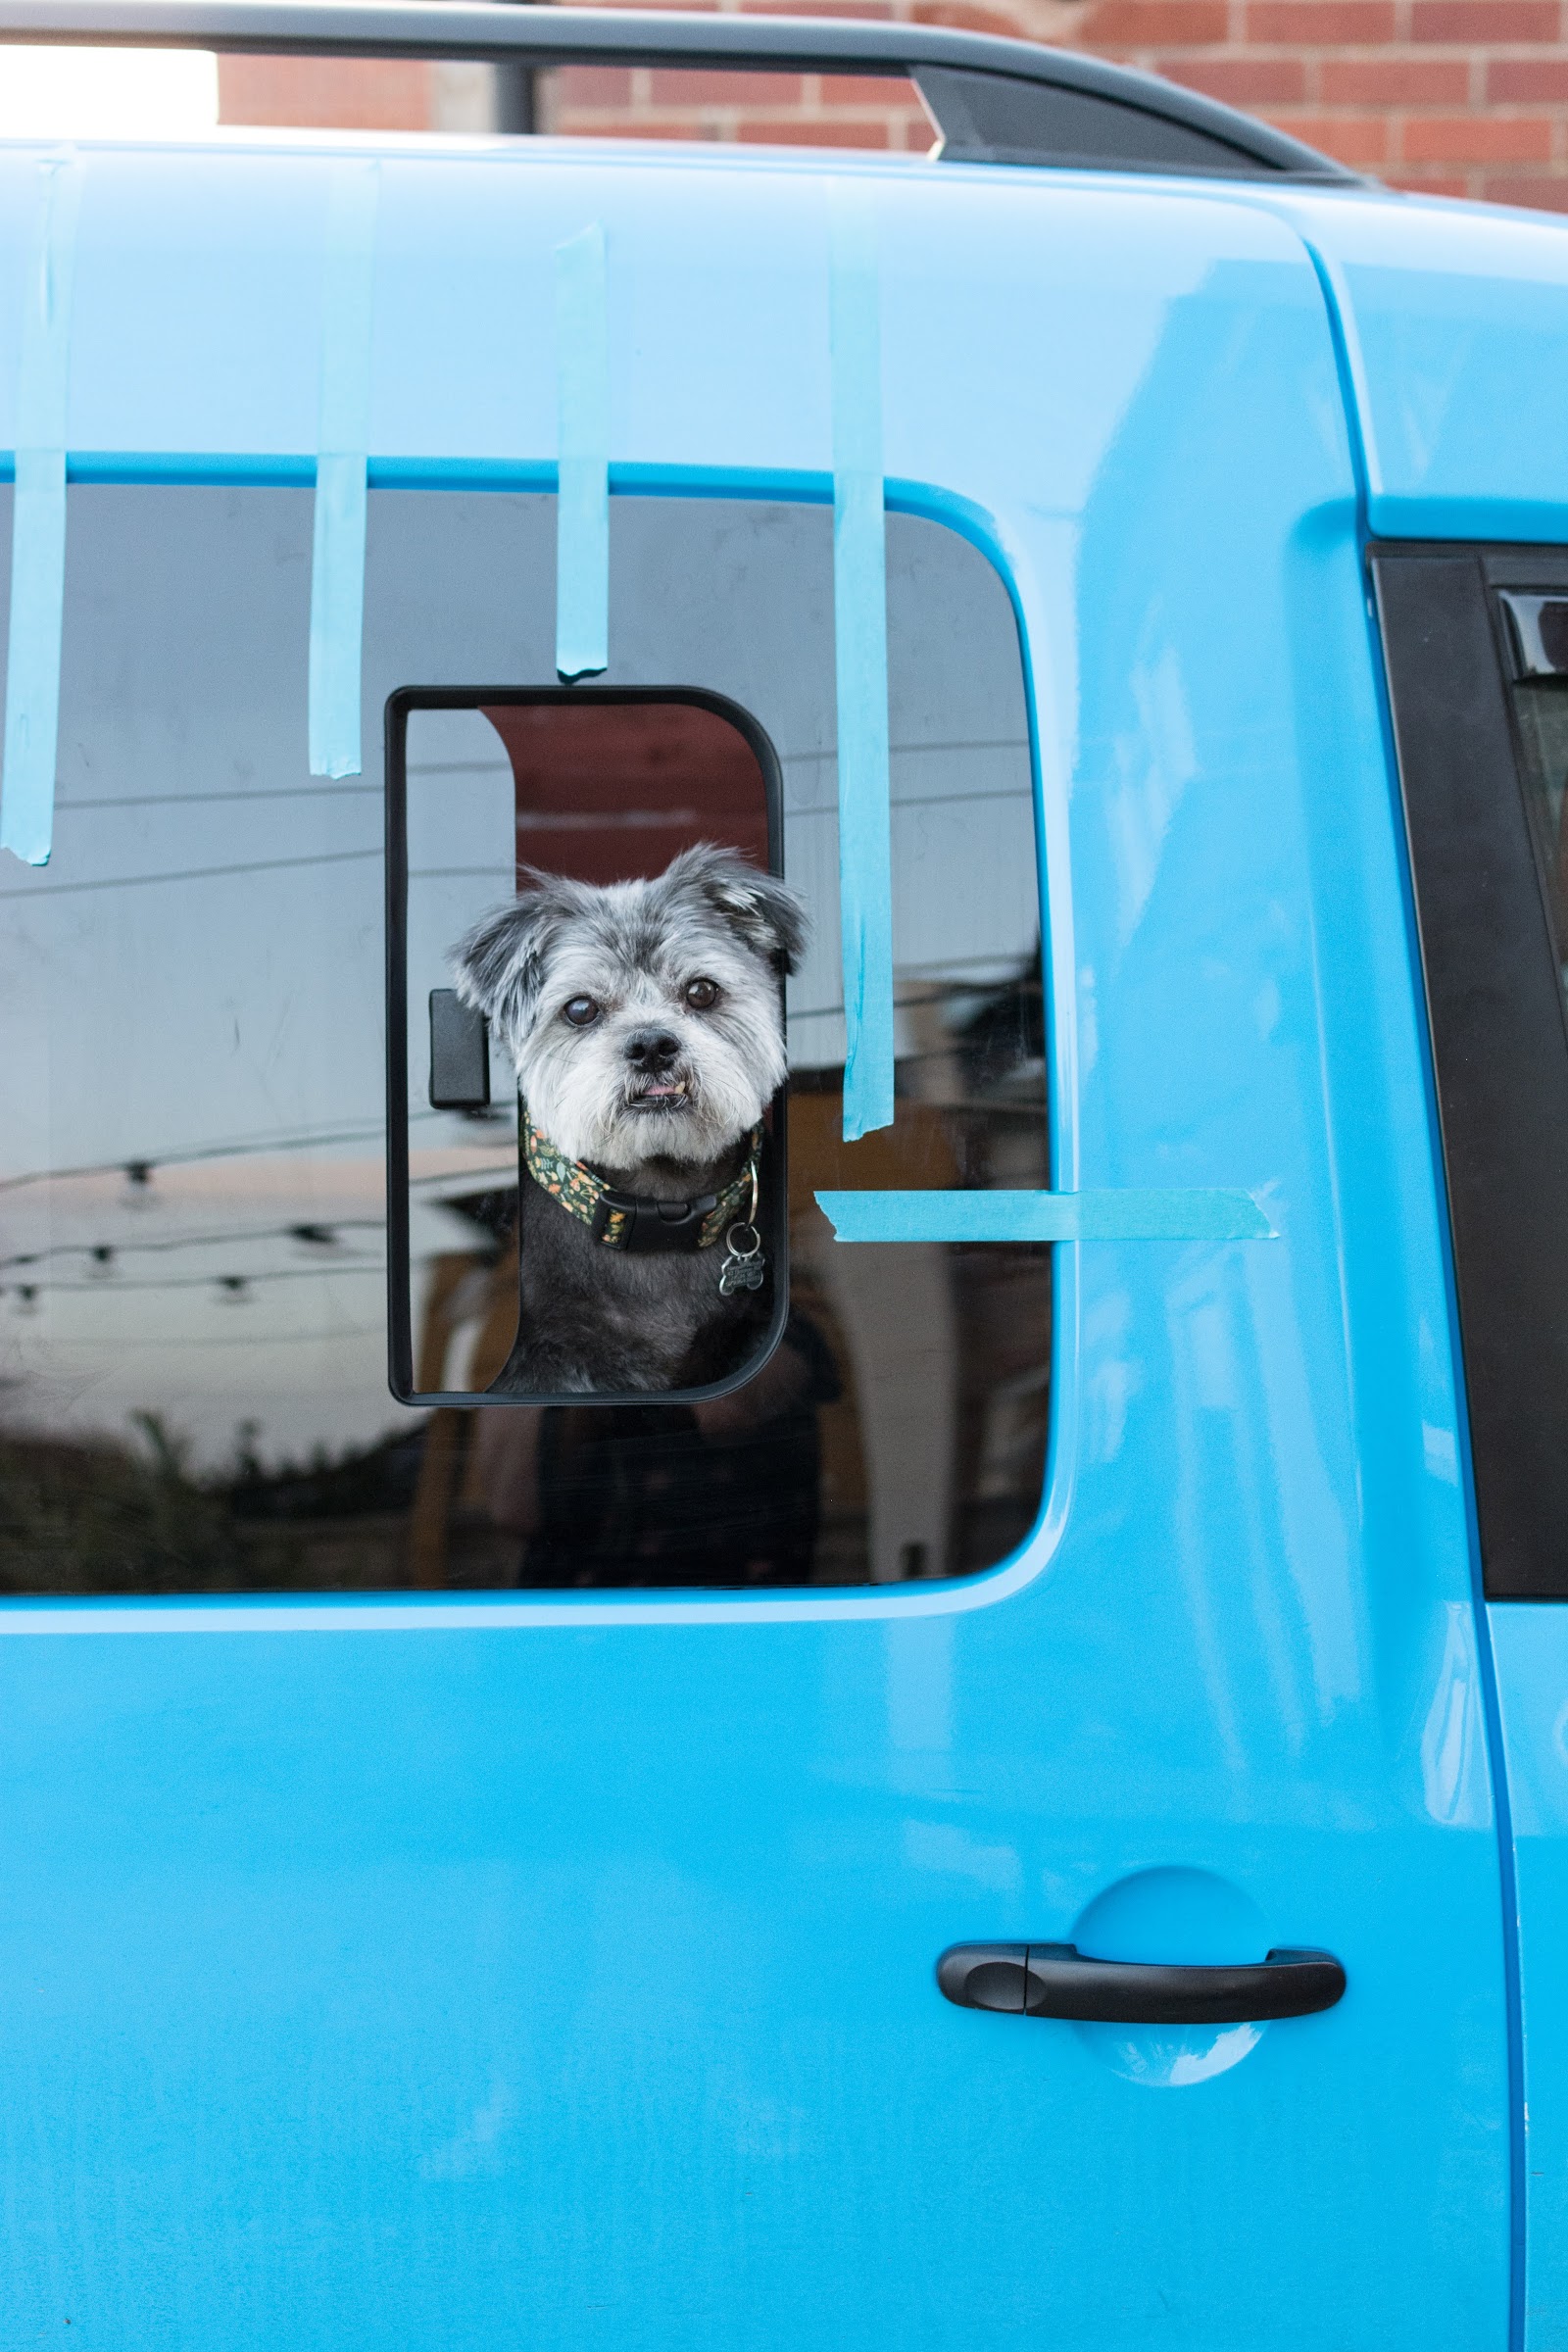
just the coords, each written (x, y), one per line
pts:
(1051, 1828)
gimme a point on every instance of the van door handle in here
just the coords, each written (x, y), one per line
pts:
(1056, 1979)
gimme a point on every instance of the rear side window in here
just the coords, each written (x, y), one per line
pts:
(1535, 646)
(1477, 649)
(262, 1285)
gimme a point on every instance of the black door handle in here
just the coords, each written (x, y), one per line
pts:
(1056, 1979)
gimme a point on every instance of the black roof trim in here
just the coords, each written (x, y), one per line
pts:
(994, 101)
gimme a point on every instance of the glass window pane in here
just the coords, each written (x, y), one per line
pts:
(193, 1324)
(1541, 712)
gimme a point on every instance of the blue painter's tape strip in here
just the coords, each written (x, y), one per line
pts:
(337, 614)
(860, 647)
(583, 503)
(39, 522)
(1197, 1214)
(337, 567)
(32, 663)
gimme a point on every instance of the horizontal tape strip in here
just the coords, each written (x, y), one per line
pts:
(861, 661)
(338, 566)
(39, 522)
(582, 501)
(1195, 1214)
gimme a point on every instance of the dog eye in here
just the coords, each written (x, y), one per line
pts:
(581, 1011)
(701, 995)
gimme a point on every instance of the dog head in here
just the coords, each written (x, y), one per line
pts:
(644, 1020)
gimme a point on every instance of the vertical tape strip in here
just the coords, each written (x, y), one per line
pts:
(583, 503)
(860, 646)
(39, 522)
(337, 568)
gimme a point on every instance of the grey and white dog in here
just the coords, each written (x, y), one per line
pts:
(645, 1023)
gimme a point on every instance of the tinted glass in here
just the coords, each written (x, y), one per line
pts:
(1540, 715)
(192, 1057)
(1479, 719)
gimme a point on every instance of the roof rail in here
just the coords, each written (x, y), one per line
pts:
(992, 101)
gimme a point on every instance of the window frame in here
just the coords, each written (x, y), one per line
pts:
(773, 1214)
(1498, 1030)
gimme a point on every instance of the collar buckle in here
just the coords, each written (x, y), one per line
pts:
(652, 1225)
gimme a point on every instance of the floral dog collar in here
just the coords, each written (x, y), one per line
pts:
(632, 1221)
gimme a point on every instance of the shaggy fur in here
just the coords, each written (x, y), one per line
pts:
(645, 1025)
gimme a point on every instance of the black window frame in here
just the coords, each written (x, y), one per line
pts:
(773, 1213)
(1497, 1026)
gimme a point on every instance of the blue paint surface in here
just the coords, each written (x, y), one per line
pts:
(461, 1972)
(1456, 326)
(1530, 1645)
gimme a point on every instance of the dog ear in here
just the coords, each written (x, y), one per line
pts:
(498, 965)
(769, 916)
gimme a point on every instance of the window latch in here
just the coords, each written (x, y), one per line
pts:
(460, 1053)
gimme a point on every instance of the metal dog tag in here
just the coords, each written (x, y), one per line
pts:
(745, 1266)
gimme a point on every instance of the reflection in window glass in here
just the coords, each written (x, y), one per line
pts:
(193, 1327)
(1540, 711)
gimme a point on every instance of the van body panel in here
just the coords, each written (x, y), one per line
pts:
(440, 1969)
(1453, 313)
(1455, 318)
(1530, 1647)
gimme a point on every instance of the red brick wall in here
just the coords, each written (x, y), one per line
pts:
(1464, 97)
(342, 93)
(797, 110)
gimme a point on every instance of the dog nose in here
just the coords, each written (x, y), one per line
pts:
(652, 1048)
